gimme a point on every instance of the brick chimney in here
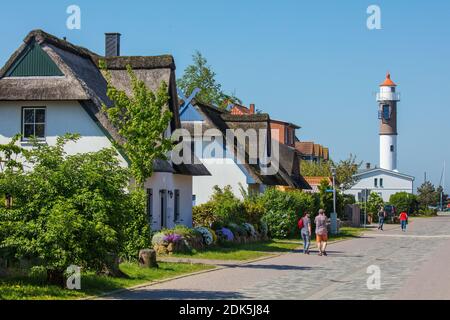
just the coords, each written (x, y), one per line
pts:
(112, 44)
(252, 108)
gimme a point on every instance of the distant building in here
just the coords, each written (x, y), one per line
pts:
(219, 155)
(315, 182)
(310, 151)
(285, 130)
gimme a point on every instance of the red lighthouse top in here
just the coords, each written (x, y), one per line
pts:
(388, 82)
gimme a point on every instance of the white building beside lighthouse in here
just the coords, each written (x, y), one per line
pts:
(386, 179)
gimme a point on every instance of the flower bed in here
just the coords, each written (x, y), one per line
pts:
(183, 239)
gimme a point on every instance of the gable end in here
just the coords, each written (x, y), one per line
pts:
(34, 62)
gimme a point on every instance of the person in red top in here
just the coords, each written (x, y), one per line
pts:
(403, 220)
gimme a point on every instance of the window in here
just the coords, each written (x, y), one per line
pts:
(194, 200)
(286, 135)
(381, 182)
(392, 148)
(33, 123)
(375, 182)
(177, 205)
(386, 112)
(149, 204)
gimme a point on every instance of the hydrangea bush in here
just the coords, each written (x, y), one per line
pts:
(158, 239)
(172, 238)
(225, 234)
(208, 238)
(250, 229)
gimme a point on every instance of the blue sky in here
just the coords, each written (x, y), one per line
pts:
(314, 63)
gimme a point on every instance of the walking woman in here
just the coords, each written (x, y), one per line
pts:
(403, 220)
(305, 230)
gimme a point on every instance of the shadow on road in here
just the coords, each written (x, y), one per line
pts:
(161, 294)
(273, 267)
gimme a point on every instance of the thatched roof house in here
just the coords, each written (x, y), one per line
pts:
(81, 80)
(49, 87)
(287, 160)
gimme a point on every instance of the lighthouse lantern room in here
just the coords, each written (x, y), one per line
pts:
(387, 114)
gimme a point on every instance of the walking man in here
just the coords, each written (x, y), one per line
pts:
(403, 220)
(305, 231)
(321, 232)
(381, 217)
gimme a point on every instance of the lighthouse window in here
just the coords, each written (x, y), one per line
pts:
(386, 112)
(392, 148)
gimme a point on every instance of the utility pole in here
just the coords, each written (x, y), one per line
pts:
(333, 216)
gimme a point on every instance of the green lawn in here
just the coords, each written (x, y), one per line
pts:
(34, 287)
(260, 249)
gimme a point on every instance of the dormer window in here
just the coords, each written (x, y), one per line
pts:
(33, 123)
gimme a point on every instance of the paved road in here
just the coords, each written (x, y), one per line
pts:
(413, 265)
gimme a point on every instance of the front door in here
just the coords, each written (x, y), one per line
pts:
(163, 208)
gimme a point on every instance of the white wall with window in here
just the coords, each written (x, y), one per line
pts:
(383, 182)
(50, 119)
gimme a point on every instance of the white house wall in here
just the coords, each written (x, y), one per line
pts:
(391, 184)
(61, 117)
(162, 181)
(223, 169)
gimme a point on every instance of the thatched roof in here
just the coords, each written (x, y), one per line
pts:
(288, 174)
(84, 82)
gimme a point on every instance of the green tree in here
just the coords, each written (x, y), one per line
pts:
(141, 120)
(200, 75)
(326, 198)
(404, 201)
(427, 195)
(345, 170)
(70, 209)
(374, 203)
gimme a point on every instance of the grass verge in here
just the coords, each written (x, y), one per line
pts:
(34, 287)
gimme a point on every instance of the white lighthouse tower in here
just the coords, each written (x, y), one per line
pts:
(387, 114)
(385, 180)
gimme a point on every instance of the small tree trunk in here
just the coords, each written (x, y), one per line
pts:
(111, 267)
(147, 258)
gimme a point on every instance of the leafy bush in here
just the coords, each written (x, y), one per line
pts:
(72, 209)
(223, 208)
(254, 211)
(237, 229)
(204, 214)
(284, 208)
(264, 228)
(404, 201)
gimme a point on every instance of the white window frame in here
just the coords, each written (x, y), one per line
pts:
(34, 123)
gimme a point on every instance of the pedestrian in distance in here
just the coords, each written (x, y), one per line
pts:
(304, 224)
(381, 217)
(321, 232)
(403, 220)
